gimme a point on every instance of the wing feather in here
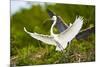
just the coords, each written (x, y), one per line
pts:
(72, 31)
(44, 38)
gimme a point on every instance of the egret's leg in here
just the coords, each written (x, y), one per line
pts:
(68, 49)
(39, 43)
(63, 57)
(66, 53)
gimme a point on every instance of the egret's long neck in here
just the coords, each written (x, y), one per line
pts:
(52, 27)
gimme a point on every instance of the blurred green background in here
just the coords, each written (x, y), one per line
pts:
(26, 50)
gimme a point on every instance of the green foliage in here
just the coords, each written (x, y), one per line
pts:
(29, 51)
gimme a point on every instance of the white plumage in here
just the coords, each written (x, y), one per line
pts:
(59, 40)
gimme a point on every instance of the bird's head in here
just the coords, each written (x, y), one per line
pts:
(54, 18)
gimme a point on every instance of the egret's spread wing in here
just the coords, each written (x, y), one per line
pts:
(72, 31)
(44, 38)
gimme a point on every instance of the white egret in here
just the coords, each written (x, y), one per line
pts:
(59, 40)
(61, 26)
